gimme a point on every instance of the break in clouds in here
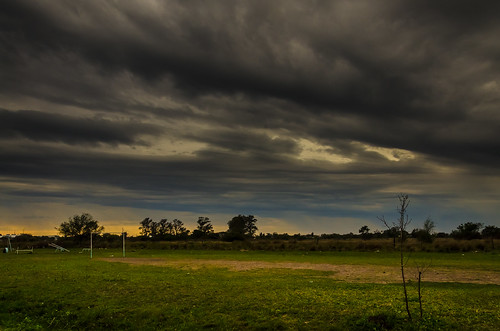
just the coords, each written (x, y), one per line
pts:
(286, 109)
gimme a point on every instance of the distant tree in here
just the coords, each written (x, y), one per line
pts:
(392, 233)
(364, 231)
(429, 225)
(145, 228)
(204, 228)
(236, 228)
(163, 230)
(241, 227)
(178, 229)
(80, 226)
(204, 225)
(468, 231)
(154, 227)
(425, 235)
(491, 232)
(250, 227)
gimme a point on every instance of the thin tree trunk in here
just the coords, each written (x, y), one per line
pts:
(419, 293)
(403, 277)
(403, 204)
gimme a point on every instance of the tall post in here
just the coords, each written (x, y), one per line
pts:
(123, 237)
(90, 244)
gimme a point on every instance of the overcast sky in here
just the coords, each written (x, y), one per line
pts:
(310, 115)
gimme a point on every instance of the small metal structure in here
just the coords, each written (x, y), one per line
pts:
(29, 251)
(58, 248)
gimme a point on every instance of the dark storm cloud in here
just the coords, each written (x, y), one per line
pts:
(232, 96)
(39, 126)
(386, 62)
(471, 142)
(209, 172)
(227, 48)
(462, 13)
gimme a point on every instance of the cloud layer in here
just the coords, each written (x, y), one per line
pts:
(288, 110)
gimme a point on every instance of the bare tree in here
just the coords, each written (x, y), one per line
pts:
(401, 225)
(421, 268)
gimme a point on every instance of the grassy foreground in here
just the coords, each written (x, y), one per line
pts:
(48, 290)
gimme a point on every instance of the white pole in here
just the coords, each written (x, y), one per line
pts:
(123, 236)
(90, 244)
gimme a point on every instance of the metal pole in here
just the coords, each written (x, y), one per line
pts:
(90, 244)
(123, 236)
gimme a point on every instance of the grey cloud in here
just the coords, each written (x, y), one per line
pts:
(255, 56)
(419, 76)
(462, 13)
(328, 68)
(210, 171)
(40, 126)
(243, 140)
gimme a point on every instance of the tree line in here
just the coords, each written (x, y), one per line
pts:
(242, 227)
(426, 234)
(239, 228)
(244, 235)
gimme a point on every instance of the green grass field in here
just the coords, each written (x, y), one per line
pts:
(48, 290)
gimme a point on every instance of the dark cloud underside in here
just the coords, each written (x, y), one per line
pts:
(281, 100)
(40, 126)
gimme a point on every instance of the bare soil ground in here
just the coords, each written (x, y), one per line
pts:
(347, 273)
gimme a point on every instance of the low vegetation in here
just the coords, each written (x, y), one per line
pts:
(53, 290)
(302, 243)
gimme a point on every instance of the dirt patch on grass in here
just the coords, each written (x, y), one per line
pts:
(343, 272)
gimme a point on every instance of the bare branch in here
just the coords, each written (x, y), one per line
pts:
(407, 259)
(382, 219)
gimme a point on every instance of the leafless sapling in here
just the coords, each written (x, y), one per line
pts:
(421, 268)
(401, 225)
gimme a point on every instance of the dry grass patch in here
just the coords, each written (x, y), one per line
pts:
(342, 272)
